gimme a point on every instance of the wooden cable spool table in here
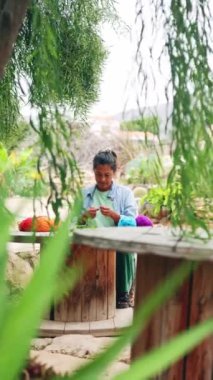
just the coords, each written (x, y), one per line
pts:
(159, 252)
(93, 298)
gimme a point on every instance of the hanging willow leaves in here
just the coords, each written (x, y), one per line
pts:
(178, 53)
(56, 65)
(8, 101)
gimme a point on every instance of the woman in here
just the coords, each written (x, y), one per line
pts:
(106, 202)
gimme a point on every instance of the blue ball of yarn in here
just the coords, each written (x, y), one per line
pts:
(127, 221)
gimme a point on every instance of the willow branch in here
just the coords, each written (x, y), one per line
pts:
(12, 13)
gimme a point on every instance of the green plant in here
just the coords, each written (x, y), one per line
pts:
(54, 65)
(17, 132)
(187, 28)
(144, 170)
(180, 35)
(19, 171)
(163, 197)
(144, 124)
(20, 317)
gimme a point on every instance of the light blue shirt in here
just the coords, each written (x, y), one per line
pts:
(100, 198)
(122, 198)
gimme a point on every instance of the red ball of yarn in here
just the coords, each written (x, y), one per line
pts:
(38, 224)
(26, 224)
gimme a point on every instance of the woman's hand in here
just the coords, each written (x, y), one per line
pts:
(106, 211)
(91, 212)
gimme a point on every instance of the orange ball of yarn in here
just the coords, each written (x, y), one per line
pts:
(38, 224)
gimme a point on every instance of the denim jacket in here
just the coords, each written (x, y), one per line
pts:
(122, 199)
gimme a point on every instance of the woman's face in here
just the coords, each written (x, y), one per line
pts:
(103, 176)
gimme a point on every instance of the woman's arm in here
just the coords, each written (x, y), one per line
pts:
(129, 206)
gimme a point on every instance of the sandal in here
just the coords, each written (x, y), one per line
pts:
(132, 296)
(122, 301)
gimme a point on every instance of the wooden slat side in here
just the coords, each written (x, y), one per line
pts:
(170, 319)
(89, 283)
(199, 363)
(75, 298)
(92, 273)
(69, 308)
(111, 256)
(175, 319)
(61, 310)
(101, 282)
(90, 286)
(150, 271)
(89, 299)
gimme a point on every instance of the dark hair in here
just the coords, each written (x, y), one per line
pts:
(105, 157)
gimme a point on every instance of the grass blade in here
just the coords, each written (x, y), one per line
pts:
(161, 358)
(5, 221)
(24, 316)
(160, 295)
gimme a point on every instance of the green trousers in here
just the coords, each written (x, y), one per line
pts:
(125, 271)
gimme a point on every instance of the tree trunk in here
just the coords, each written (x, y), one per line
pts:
(12, 13)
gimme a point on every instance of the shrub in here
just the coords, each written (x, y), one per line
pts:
(19, 172)
(144, 170)
(143, 124)
(163, 200)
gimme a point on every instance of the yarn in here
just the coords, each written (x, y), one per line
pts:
(127, 221)
(143, 221)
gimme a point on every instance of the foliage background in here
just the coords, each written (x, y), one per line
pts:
(56, 62)
(181, 38)
(187, 44)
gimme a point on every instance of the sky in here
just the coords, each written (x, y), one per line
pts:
(120, 88)
(118, 65)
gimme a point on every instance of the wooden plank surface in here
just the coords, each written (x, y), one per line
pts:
(29, 237)
(158, 241)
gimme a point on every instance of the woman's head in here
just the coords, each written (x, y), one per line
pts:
(105, 157)
(104, 166)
